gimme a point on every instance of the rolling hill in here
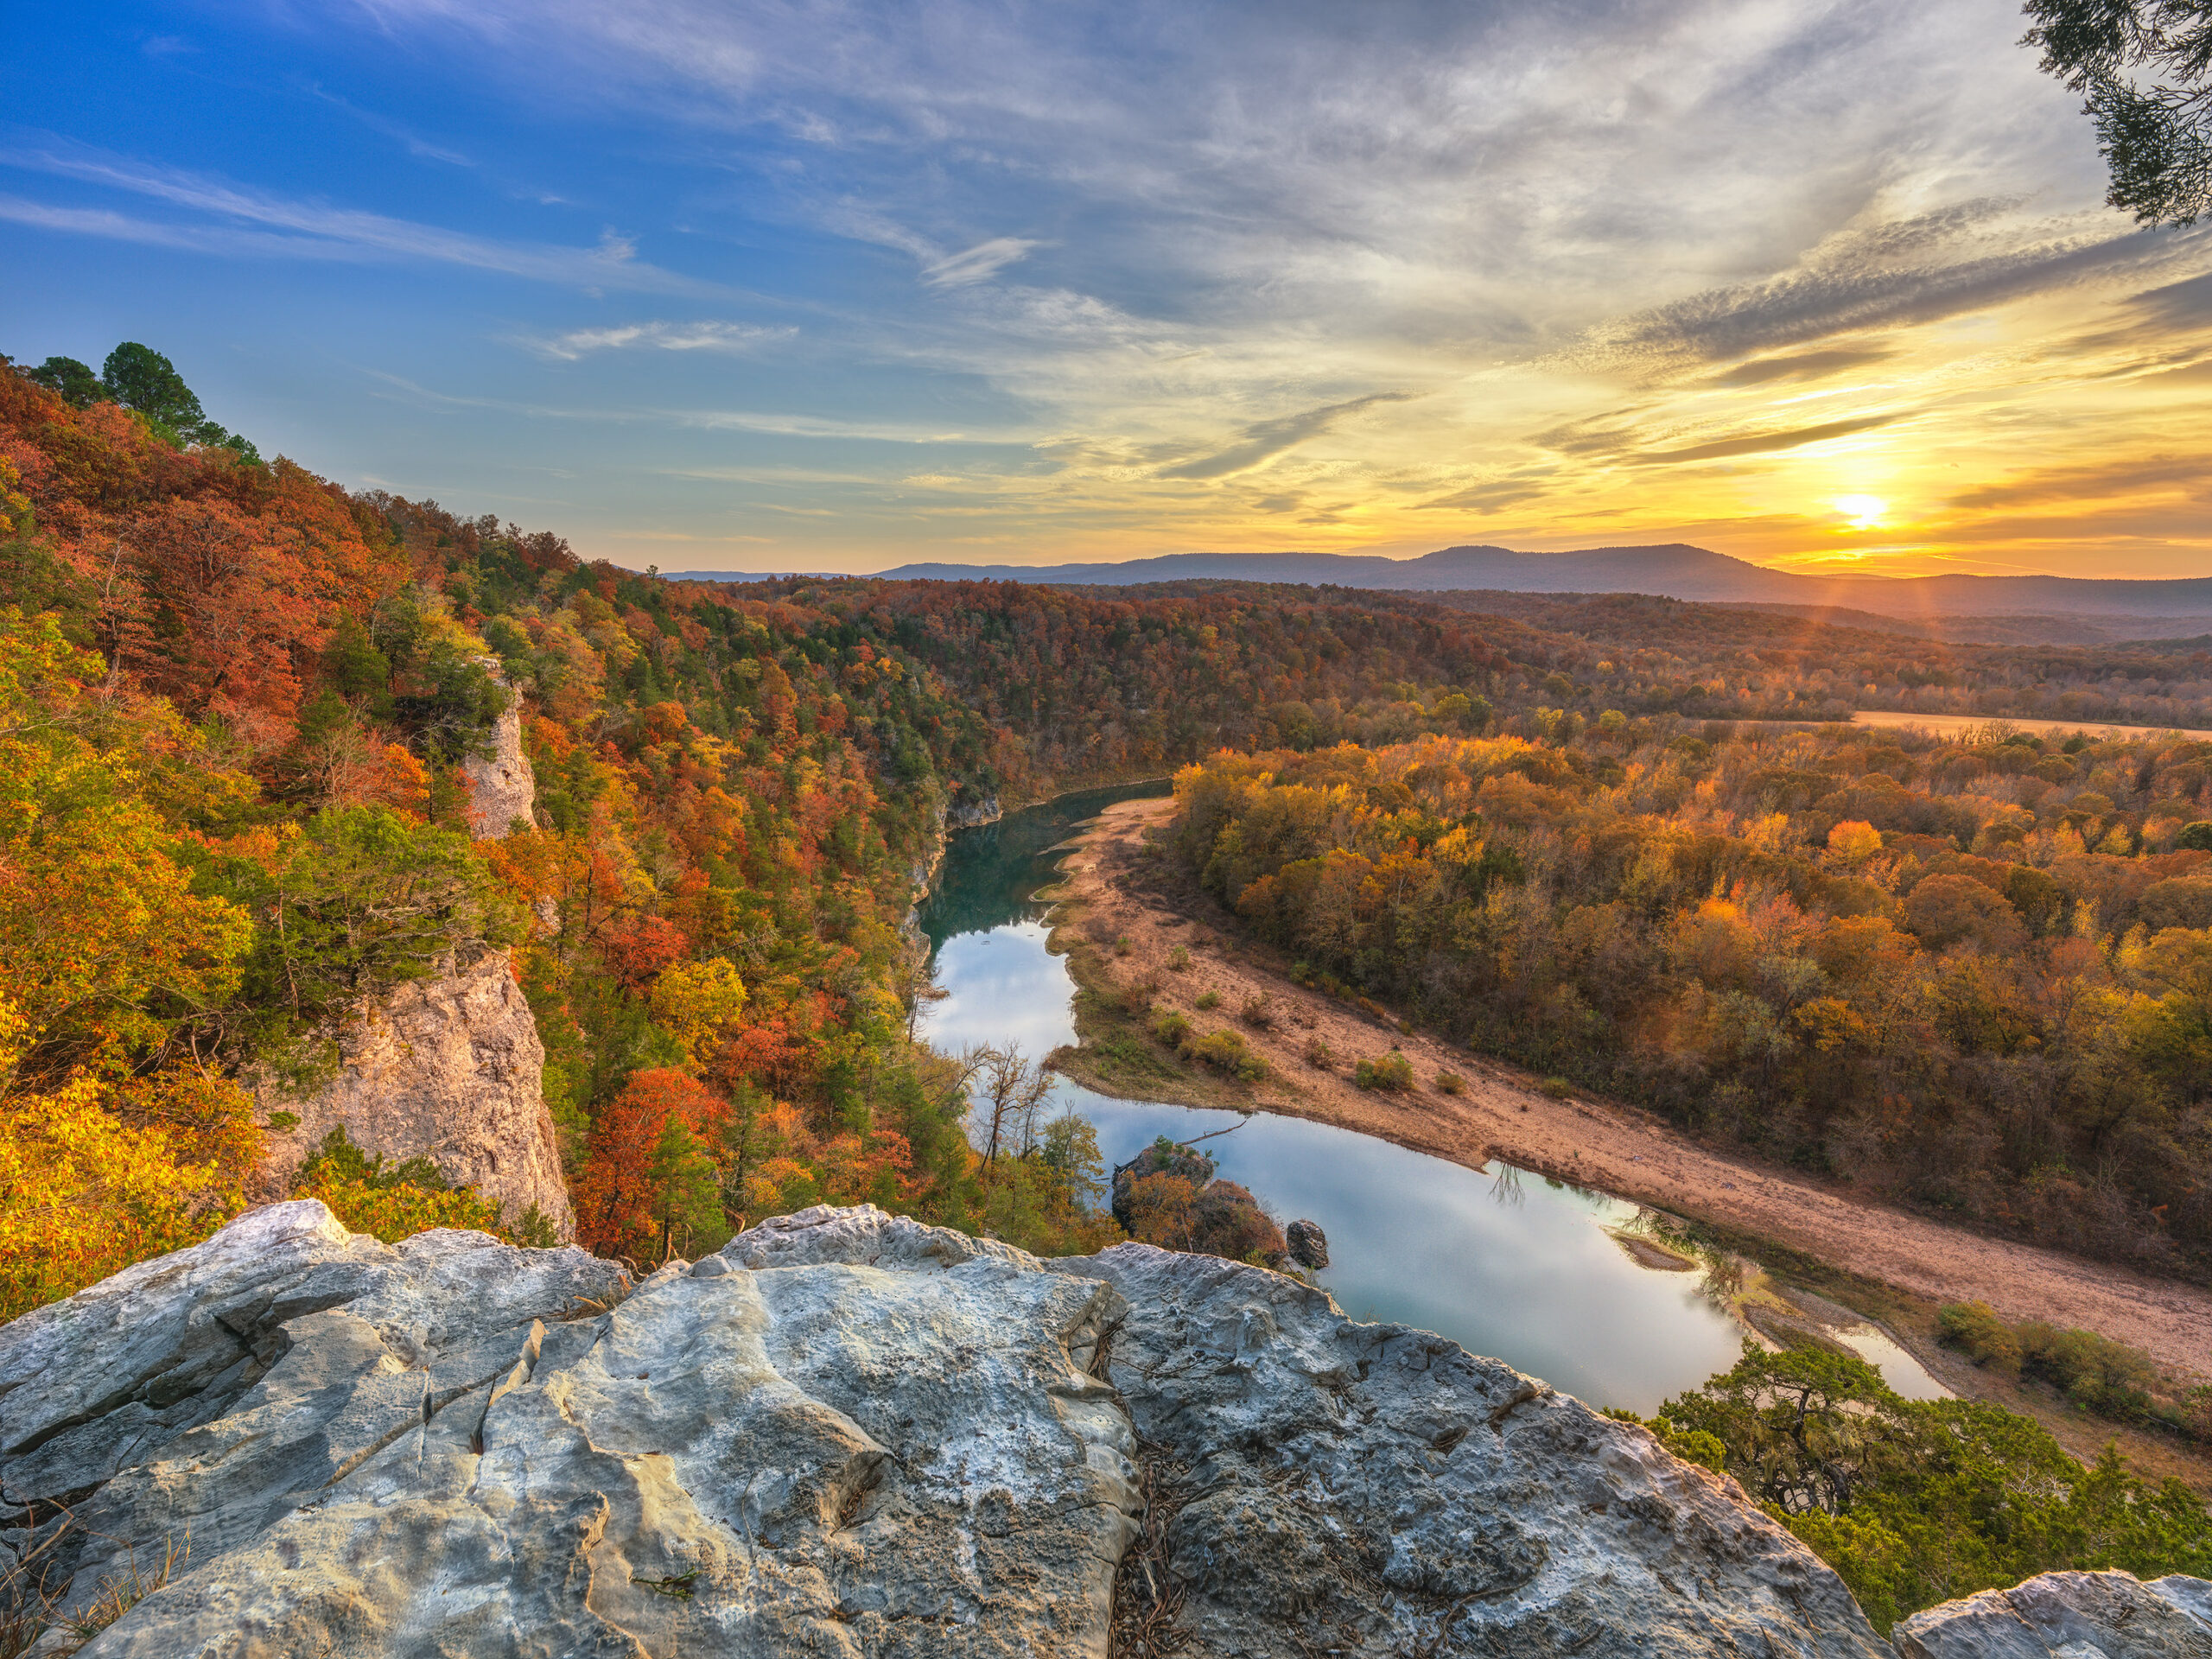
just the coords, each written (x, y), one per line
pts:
(1674, 570)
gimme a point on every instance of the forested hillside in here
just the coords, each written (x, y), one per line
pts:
(236, 698)
(1648, 656)
(1976, 976)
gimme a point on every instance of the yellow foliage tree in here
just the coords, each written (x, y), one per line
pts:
(696, 1002)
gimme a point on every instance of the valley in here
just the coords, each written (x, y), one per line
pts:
(1504, 1115)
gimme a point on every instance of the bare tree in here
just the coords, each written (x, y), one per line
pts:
(1008, 1095)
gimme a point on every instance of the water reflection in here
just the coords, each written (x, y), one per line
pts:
(1523, 1270)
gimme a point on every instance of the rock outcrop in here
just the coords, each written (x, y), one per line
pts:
(853, 1435)
(972, 812)
(502, 787)
(448, 1068)
(2069, 1616)
(1309, 1245)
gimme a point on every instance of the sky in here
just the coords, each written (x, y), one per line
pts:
(771, 285)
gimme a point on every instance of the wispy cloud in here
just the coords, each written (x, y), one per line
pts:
(1767, 443)
(978, 265)
(2098, 481)
(415, 144)
(1806, 366)
(658, 336)
(317, 230)
(1265, 440)
(1831, 299)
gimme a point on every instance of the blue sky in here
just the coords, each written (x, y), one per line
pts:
(835, 286)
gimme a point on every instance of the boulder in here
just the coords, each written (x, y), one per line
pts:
(1309, 1245)
(2069, 1616)
(892, 1445)
(448, 1068)
(846, 1434)
(1370, 1490)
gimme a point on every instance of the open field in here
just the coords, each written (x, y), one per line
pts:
(1953, 725)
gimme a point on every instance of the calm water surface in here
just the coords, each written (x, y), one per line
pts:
(1503, 1262)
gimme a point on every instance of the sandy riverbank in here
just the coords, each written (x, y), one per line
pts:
(1616, 1149)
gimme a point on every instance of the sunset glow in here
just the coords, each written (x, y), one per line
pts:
(777, 288)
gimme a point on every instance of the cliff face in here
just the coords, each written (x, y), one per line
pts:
(502, 787)
(448, 1068)
(847, 1434)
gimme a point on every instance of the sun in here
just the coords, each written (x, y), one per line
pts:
(1864, 512)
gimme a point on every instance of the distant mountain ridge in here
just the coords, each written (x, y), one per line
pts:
(1671, 570)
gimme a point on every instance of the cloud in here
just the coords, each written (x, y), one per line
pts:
(1760, 443)
(661, 336)
(1807, 365)
(421, 149)
(315, 230)
(1267, 439)
(2162, 474)
(1488, 498)
(1816, 303)
(978, 264)
(2185, 304)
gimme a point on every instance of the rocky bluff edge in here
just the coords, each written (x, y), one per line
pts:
(852, 1434)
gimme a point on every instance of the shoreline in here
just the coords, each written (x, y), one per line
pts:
(1616, 1149)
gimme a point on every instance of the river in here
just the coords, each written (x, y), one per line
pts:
(1504, 1262)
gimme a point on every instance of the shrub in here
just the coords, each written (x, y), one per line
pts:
(1916, 1502)
(1975, 1330)
(1557, 1088)
(389, 1204)
(1318, 1054)
(2094, 1372)
(1171, 1028)
(1258, 1012)
(1225, 1050)
(1392, 1073)
(1451, 1082)
(1179, 959)
(1122, 944)
(1207, 1000)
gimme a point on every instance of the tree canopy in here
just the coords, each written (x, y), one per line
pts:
(2144, 69)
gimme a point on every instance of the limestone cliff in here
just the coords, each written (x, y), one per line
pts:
(853, 1435)
(502, 788)
(448, 1068)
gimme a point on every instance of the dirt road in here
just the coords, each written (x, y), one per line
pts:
(1616, 1149)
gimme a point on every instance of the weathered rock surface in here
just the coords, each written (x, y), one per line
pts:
(502, 787)
(448, 1068)
(1309, 1245)
(2069, 1616)
(970, 811)
(1371, 1490)
(851, 1435)
(892, 1449)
